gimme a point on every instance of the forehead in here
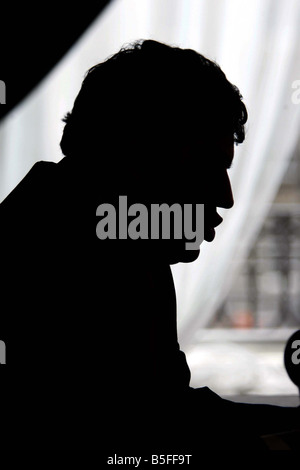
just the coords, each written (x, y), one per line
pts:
(220, 146)
(208, 147)
(225, 146)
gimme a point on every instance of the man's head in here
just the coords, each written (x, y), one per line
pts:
(159, 123)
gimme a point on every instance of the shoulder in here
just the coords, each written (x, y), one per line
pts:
(38, 173)
(32, 183)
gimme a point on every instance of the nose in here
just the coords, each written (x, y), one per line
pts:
(225, 197)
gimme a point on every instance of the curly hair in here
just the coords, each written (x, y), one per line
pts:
(151, 94)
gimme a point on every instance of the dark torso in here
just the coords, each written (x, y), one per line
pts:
(88, 325)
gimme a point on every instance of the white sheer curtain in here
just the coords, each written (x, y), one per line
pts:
(257, 45)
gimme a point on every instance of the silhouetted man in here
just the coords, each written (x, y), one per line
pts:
(93, 358)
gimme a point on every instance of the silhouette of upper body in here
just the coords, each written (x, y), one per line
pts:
(90, 328)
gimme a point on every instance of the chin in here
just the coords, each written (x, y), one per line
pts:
(186, 256)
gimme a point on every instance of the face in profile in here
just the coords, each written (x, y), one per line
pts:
(165, 136)
(197, 175)
(202, 178)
